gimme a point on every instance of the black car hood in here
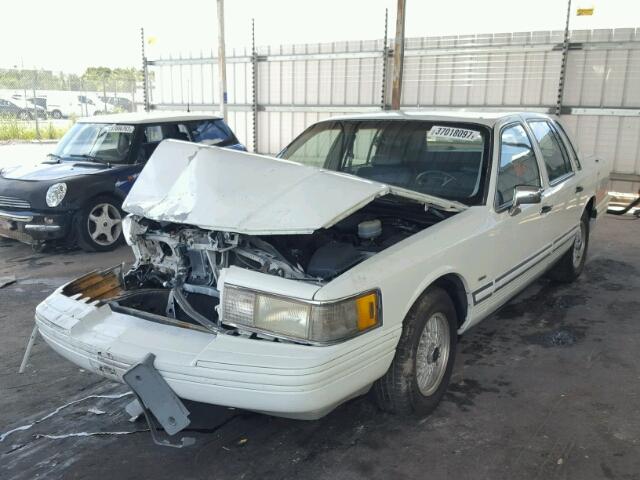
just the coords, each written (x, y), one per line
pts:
(52, 171)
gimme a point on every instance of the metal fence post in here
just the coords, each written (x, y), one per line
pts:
(254, 85)
(398, 56)
(385, 58)
(35, 103)
(563, 65)
(145, 75)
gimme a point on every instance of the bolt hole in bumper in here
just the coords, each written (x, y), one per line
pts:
(278, 378)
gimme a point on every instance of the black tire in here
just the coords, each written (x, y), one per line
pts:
(25, 116)
(57, 114)
(566, 270)
(91, 239)
(398, 391)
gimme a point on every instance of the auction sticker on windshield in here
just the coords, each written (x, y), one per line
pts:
(453, 133)
(120, 128)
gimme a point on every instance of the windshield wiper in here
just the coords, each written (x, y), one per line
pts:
(57, 157)
(90, 158)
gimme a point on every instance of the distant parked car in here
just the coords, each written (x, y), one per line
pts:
(75, 196)
(119, 103)
(13, 108)
(66, 104)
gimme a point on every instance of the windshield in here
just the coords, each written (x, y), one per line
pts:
(100, 142)
(438, 158)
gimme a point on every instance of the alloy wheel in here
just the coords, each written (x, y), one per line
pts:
(104, 224)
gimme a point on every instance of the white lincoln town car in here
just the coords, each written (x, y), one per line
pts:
(352, 262)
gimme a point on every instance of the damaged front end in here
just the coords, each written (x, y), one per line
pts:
(226, 287)
(181, 273)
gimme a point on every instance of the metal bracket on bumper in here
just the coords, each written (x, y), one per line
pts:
(162, 408)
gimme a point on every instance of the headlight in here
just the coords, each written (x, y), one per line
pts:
(56, 194)
(299, 320)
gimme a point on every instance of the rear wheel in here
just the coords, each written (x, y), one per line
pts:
(421, 369)
(24, 115)
(57, 114)
(99, 225)
(571, 264)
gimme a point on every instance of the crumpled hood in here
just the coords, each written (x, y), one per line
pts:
(220, 189)
(51, 171)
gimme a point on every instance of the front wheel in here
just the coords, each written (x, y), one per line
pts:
(421, 369)
(571, 264)
(57, 114)
(99, 225)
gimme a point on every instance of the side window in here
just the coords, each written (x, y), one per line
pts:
(153, 134)
(569, 143)
(555, 157)
(518, 164)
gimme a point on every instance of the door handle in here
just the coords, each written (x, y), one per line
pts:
(545, 209)
(579, 189)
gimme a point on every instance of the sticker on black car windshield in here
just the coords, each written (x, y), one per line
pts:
(453, 133)
(120, 128)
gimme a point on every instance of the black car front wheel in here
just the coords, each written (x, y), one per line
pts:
(99, 225)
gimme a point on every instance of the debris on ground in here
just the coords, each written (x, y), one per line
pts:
(4, 435)
(6, 281)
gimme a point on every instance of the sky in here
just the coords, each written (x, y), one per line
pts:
(69, 35)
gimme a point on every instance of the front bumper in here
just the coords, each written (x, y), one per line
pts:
(33, 227)
(283, 379)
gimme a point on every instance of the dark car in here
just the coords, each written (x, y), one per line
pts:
(12, 108)
(119, 103)
(75, 195)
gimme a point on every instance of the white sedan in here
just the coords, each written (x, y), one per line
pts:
(288, 286)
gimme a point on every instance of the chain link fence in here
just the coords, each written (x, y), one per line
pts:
(41, 104)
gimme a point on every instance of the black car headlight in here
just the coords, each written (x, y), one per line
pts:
(295, 319)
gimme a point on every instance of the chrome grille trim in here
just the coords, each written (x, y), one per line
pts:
(13, 202)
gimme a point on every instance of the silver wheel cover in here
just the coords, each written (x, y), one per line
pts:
(432, 355)
(104, 224)
(579, 244)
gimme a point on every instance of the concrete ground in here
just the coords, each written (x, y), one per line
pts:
(549, 387)
(24, 153)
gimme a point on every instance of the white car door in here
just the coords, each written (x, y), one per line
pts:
(560, 199)
(520, 242)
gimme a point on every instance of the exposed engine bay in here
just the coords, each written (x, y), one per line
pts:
(178, 266)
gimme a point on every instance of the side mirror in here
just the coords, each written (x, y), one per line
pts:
(524, 195)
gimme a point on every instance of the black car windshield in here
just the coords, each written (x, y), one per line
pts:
(99, 142)
(443, 159)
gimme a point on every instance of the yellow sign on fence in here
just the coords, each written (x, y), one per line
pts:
(582, 12)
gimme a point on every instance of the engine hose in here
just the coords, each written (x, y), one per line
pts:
(192, 312)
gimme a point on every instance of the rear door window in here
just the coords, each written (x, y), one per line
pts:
(556, 158)
(212, 132)
(570, 148)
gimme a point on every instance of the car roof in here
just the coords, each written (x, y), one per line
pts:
(141, 118)
(489, 118)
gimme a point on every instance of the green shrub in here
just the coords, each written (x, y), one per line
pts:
(14, 129)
